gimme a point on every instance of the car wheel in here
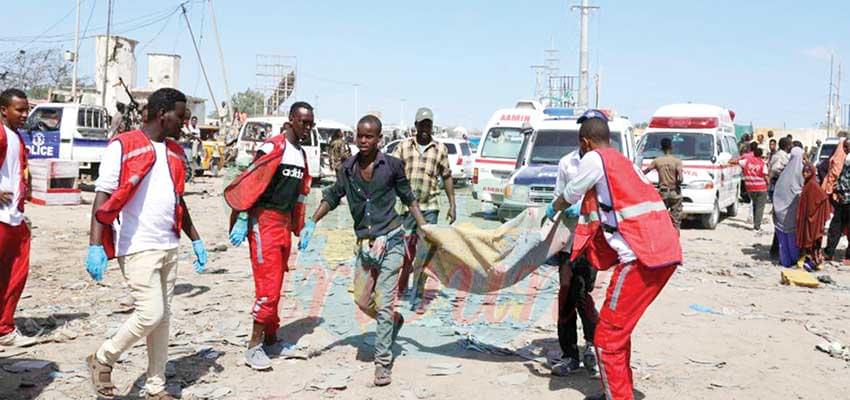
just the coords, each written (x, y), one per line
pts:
(709, 221)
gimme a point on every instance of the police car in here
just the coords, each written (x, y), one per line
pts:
(533, 183)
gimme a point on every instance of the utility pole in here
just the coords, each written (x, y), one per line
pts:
(106, 52)
(76, 57)
(200, 60)
(598, 77)
(829, 97)
(539, 76)
(221, 58)
(584, 8)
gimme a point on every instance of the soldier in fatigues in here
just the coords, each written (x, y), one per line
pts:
(669, 180)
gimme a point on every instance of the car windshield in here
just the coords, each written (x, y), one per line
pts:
(551, 145)
(45, 119)
(686, 145)
(256, 131)
(826, 150)
(502, 143)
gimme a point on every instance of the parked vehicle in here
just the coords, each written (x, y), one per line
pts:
(825, 150)
(533, 183)
(460, 159)
(704, 139)
(256, 130)
(68, 131)
(497, 154)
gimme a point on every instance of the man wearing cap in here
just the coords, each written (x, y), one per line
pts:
(425, 163)
(624, 224)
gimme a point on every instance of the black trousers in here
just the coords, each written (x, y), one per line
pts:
(837, 227)
(577, 280)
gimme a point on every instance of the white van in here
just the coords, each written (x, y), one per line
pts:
(257, 129)
(533, 183)
(68, 131)
(704, 139)
(497, 153)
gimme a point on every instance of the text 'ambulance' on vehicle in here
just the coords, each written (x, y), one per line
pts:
(703, 137)
(497, 153)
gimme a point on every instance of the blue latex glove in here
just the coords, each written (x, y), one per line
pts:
(306, 234)
(574, 210)
(200, 255)
(96, 262)
(239, 231)
(550, 211)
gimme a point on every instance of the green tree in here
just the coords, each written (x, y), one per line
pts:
(249, 101)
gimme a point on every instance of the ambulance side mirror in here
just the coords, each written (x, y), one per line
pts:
(723, 158)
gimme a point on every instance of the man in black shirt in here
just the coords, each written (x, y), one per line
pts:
(371, 181)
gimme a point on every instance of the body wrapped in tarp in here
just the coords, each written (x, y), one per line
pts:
(476, 260)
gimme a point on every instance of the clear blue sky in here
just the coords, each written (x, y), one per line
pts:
(767, 60)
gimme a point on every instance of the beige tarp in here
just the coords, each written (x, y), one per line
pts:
(476, 260)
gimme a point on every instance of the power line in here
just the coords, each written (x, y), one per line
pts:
(68, 14)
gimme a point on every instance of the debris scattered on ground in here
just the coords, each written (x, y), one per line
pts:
(331, 380)
(698, 308)
(798, 277)
(835, 349)
(26, 366)
(443, 369)
(826, 279)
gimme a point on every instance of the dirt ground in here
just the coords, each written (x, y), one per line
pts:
(723, 328)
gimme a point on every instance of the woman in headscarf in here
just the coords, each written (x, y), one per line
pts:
(812, 214)
(786, 198)
(841, 201)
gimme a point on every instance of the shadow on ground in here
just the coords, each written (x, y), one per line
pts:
(44, 326)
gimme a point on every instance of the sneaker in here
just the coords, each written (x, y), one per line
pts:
(565, 366)
(257, 359)
(16, 339)
(589, 358)
(397, 324)
(383, 376)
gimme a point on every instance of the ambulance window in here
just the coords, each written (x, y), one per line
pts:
(733, 147)
(464, 149)
(451, 148)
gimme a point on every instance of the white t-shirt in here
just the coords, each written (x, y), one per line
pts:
(567, 170)
(291, 155)
(10, 179)
(591, 173)
(147, 220)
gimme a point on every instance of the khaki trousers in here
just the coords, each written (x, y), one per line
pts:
(151, 276)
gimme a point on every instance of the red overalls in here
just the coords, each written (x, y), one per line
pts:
(270, 231)
(644, 223)
(137, 160)
(14, 247)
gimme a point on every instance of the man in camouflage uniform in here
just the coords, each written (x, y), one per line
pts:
(669, 170)
(338, 150)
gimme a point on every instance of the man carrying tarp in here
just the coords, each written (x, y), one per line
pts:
(576, 282)
(268, 200)
(624, 224)
(371, 181)
(426, 162)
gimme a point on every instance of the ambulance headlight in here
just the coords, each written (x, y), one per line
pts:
(701, 185)
(517, 193)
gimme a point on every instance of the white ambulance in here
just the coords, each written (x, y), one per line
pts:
(497, 153)
(704, 139)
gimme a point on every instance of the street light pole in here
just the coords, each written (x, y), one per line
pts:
(76, 57)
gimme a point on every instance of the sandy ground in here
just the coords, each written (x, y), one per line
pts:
(757, 343)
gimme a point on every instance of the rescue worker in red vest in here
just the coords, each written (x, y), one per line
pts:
(624, 224)
(268, 200)
(137, 216)
(14, 232)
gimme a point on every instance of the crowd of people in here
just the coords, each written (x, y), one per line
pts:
(623, 223)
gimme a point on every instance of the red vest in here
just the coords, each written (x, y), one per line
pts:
(137, 160)
(246, 189)
(755, 180)
(642, 219)
(21, 159)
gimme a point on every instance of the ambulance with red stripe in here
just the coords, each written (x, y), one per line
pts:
(501, 140)
(703, 137)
